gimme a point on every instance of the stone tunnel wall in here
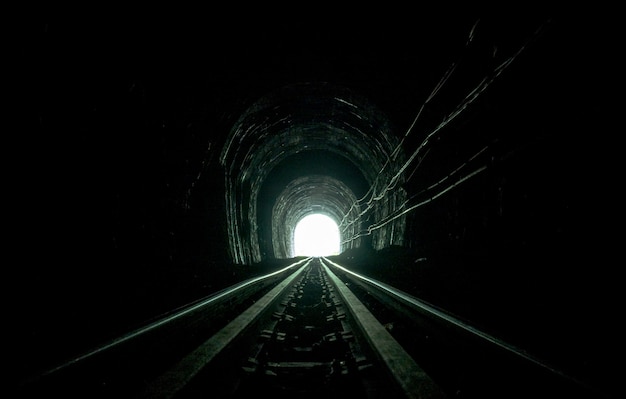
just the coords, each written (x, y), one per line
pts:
(285, 126)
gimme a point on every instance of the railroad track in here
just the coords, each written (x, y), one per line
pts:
(313, 329)
(311, 336)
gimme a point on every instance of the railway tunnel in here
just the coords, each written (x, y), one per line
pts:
(454, 153)
(322, 147)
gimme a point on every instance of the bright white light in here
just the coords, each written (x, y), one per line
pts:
(316, 235)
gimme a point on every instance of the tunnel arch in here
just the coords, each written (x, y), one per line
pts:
(305, 196)
(330, 174)
(284, 127)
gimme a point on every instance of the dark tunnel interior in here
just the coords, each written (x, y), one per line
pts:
(464, 156)
(329, 181)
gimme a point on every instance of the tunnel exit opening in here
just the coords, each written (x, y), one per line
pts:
(316, 235)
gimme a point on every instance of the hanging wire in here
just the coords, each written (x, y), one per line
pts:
(404, 208)
(371, 193)
(469, 99)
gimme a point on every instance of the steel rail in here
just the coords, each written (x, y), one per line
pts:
(411, 378)
(176, 378)
(380, 289)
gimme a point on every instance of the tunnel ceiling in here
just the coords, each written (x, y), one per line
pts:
(353, 114)
(304, 196)
(323, 175)
(302, 149)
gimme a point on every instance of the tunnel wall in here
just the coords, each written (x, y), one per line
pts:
(307, 195)
(295, 120)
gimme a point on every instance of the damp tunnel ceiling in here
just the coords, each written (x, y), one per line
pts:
(324, 146)
(344, 142)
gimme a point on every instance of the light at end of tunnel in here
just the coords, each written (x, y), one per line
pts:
(316, 235)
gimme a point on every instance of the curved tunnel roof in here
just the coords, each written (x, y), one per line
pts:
(322, 145)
